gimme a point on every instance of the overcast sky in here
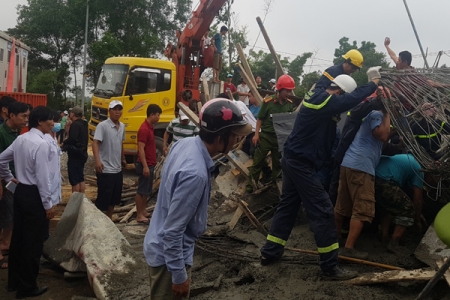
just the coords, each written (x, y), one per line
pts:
(298, 26)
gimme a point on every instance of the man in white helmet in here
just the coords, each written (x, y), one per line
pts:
(305, 151)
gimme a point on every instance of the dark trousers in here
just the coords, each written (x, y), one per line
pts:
(301, 185)
(61, 135)
(27, 238)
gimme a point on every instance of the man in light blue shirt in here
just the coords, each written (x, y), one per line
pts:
(356, 193)
(181, 210)
(217, 60)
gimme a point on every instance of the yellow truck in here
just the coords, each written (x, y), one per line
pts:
(136, 82)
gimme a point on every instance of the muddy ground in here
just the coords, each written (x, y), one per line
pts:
(226, 262)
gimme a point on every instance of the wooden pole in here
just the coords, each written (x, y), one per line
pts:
(190, 114)
(280, 70)
(245, 64)
(206, 89)
(349, 259)
(252, 87)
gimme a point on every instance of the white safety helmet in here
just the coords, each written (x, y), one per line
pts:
(346, 83)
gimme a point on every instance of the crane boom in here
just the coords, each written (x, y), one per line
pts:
(186, 56)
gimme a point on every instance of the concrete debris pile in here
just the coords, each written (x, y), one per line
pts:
(85, 240)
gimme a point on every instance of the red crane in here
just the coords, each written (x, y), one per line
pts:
(186, 56)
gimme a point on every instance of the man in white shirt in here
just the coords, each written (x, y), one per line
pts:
(243, 92)
(33, 203)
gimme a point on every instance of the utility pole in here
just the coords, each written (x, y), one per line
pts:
(417, 35)
(83, 79)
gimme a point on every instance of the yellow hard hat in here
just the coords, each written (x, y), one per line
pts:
(442, 223)
(354, 57)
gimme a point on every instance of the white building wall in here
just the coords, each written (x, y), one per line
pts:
(21, 63)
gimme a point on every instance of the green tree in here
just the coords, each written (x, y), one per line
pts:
(308, 80)
(54, 30)
(262, 64)
(372, 58)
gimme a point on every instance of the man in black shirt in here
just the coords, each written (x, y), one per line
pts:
(76, 147)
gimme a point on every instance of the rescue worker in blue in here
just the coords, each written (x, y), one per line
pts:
(305, 151)
(428, 131)
(353, 62)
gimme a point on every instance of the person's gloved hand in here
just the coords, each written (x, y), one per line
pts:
(374, 73)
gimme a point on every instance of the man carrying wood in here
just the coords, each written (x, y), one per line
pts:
(181, 210)
(266, 140)
(305, 151)
(146, 162)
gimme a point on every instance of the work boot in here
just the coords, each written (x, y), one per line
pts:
(339, 273)
(394, 247)
(351, 252)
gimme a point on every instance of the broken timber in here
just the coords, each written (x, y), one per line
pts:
(249, 82)
(190, 114)
(393, 276)
(206, 90)
(280, 70)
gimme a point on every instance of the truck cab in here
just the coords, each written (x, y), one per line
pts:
(136, 82)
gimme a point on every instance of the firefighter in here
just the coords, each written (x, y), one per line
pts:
(353, 62)
(305, 151)
(266, 140)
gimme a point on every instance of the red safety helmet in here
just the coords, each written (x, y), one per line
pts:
(220, 113)
(285, 82)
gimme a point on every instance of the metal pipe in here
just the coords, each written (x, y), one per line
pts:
(83, 81)
(417, 35)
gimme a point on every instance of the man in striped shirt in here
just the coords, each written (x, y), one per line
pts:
(180, 128)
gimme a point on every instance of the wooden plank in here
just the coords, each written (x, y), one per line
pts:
(190, 114)
(237, 215)
(237, 163)
(243, 205)
(199, 106)
(128, 215)
(247, 79)
(440, 263)
(221, 89)
(245, 64)
(235, 172)
(393, 276)
(280, 70)
(206, 89)
(124, 208)
(230, 95)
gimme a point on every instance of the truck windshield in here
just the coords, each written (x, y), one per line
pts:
(111, 80)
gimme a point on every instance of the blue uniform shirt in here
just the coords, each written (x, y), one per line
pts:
(365, 151)
(218, 42)
(181, 209)
(314, 130)
(401, 168)
(324, 81)
(254, 110)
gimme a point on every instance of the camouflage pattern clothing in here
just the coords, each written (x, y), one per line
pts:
(391, 199)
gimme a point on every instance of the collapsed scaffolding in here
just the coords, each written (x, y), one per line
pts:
(411, 93)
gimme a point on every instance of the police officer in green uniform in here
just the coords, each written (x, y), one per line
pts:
(266, 139)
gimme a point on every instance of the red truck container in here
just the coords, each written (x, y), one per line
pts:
(33, 99)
